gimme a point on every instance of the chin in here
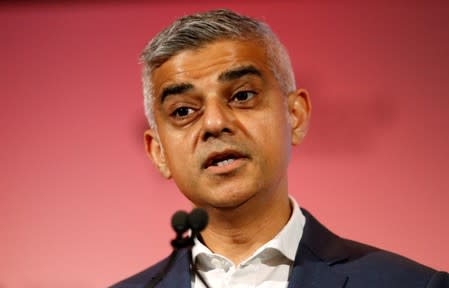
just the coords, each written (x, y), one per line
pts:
(230, 200)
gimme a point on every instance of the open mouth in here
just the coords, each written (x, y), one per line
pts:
(224, 162)
(222, 159)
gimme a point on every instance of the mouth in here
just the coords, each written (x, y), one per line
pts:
(222, 159)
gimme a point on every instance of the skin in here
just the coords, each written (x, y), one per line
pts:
(222, 101)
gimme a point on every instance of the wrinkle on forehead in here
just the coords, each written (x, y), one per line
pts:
(203, 62)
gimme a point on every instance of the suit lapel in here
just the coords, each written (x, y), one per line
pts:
(311, 272)
(318, 250)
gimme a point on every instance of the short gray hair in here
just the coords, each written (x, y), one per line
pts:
(196, 30)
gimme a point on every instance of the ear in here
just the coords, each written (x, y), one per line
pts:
(156, 152)
(299, 111)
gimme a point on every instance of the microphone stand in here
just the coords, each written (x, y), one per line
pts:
(193, 266)
(177, 243)
(181, 222)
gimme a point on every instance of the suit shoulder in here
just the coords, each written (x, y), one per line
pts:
(363, 253)
(366, 262)
(364, 265)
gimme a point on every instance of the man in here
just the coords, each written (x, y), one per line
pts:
(224, 112)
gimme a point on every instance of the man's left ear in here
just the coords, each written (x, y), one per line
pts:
(299, 111)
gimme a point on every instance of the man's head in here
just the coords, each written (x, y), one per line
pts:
(224, 110)
(194, 31)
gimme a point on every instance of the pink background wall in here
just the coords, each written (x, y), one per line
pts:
(80, 204)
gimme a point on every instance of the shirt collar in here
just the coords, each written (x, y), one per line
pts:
(286, 241)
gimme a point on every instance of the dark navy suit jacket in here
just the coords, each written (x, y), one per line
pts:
(323, 260)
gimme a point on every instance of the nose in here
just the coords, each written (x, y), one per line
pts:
(217, 119)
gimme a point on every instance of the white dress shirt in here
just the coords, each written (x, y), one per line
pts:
(269, 267)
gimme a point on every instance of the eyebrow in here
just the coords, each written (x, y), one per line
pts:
(229, 75)
(175, 89)
(236, 73)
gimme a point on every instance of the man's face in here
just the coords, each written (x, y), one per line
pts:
(223, 130)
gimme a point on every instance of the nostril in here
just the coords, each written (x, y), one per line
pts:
(212, 134)
(207, 135)
(226, 130)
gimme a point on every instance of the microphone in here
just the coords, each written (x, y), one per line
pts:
(182, 221)
(198, 220)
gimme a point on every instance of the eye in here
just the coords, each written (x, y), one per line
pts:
(182, 112)
(243, 96)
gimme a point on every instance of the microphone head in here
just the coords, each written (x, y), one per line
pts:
(180, 221)
(198, 220)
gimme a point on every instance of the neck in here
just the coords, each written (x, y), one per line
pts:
(237, 233)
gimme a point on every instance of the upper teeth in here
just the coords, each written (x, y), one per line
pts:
(225, 162)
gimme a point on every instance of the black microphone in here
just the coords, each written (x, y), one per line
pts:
(181, 222)
(198, 220)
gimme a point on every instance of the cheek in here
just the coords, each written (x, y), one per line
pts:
(273, 128)
(175, 149)
(273, 137)
(182, 158)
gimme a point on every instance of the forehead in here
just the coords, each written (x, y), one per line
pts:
(209, 61)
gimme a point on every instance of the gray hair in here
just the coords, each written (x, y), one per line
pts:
(197, 30)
